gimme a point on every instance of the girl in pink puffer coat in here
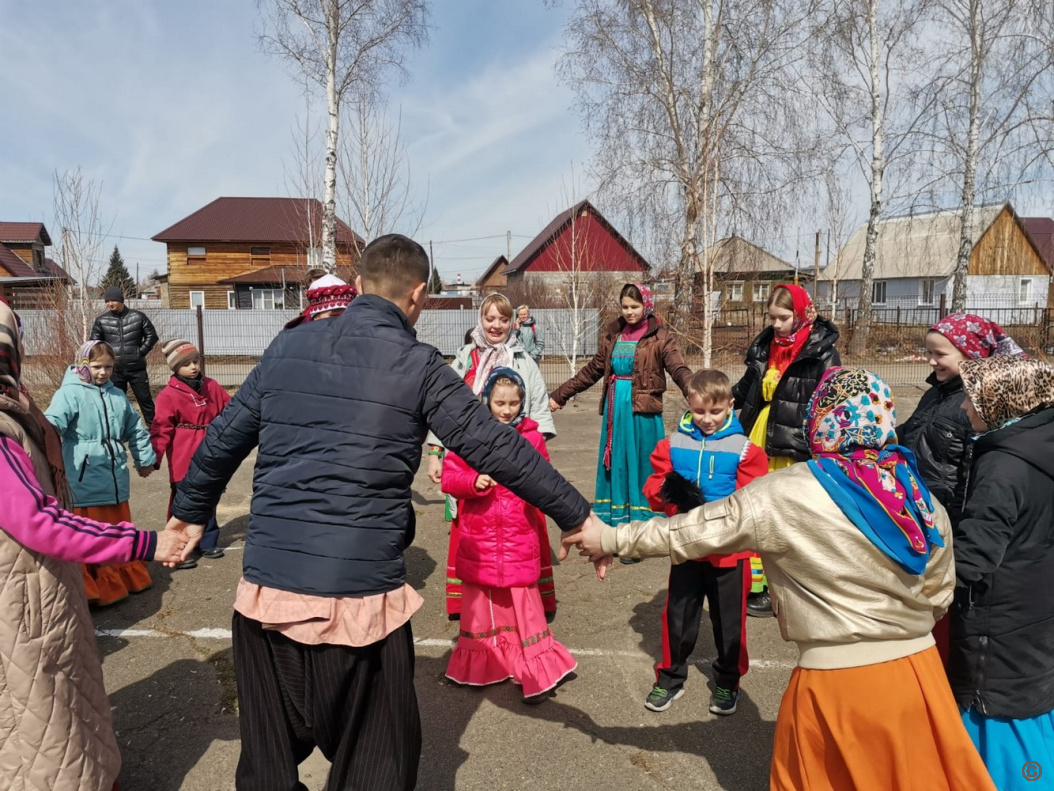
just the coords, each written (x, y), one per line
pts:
(504, 633)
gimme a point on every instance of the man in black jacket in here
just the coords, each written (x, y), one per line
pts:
(132, 336)
(339, 410)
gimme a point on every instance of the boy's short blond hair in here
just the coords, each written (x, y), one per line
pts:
(710, 384)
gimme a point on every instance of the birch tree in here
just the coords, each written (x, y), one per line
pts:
(992, 127)
(342, 46)
(81, 253)
(375, 179)
(866, 68)
(691, 109)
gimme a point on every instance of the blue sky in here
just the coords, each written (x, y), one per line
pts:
(172, 104)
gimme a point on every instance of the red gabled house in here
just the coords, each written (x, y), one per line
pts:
(579, 242)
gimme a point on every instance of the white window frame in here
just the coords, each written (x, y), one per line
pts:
(232, 300)
(761, 292)
(1024, 290)
(923, 283)
(200, 300)
(874, 290)
(735, 291)
(263, 295)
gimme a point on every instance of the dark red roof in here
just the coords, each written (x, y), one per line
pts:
(273, 275)
(23, 232)
(500, 261)
(552, 231)
(56, 270)
(293, 220)
(1041, 229)
(14, 265)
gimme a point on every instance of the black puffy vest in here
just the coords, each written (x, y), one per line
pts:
(784, 436)
(938, 433)
(130, 333)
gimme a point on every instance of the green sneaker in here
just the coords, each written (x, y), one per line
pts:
(724, 701)
(660, 699)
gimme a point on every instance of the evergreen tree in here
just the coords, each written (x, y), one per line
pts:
(435, 282)
(117, 275)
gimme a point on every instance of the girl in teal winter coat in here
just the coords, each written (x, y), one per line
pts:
(96, 421)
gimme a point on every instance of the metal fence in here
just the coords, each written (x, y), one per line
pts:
(233, 340)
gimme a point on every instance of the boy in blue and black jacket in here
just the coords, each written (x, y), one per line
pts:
(707, 458)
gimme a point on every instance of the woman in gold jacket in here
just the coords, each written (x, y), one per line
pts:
(860, 564)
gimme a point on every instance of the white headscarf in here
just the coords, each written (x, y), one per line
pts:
(492, 355)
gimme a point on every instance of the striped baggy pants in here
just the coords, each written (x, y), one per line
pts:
(357, 705)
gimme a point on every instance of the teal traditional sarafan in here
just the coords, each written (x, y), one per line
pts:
(623, 467)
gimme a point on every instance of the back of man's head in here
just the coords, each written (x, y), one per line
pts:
(392, 266)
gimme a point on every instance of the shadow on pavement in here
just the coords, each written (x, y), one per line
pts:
(191, 698)
(419, 567)
(128, 612)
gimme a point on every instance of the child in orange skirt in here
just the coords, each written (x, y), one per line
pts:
(95, 421)
(504, 633)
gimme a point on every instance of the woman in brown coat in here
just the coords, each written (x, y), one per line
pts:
(635, 353)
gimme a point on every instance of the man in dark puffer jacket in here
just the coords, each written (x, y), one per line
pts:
(323, 650)
(132, 336)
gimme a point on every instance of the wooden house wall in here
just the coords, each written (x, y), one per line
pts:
(224, 260)
(26, 250)
(1006, 250)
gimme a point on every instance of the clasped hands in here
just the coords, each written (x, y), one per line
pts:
(586, 538)
(177, 541)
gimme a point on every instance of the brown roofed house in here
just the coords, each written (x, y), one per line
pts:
(251, 253)
(27, 276)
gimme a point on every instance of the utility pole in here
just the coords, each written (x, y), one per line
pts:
(816, 270)
(508, 245)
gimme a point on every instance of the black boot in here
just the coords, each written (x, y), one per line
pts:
(759, 605)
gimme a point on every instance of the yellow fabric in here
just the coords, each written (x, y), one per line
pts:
(759, 434)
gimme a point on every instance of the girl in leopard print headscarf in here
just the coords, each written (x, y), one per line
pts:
(1002, 666)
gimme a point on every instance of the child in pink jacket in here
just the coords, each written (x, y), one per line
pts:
(504, 633)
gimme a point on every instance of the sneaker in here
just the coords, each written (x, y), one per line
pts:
(660, 699)
(759, 605)
(628, 561)
(213, 553)
(724, 701)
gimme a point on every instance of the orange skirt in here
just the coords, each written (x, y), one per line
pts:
(893, 726)
(108, 584)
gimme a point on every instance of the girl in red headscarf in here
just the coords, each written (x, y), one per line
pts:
(784, 364)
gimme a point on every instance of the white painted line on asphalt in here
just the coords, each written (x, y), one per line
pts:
(432, 642)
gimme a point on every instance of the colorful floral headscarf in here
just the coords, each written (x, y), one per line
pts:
(647, 299)
(1003, 389)
(976, 336)
(804, 313)
(851, 426)
(80, 363)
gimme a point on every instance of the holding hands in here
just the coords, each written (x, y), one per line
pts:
(180, 538)
(586, 538)
(144, 472)
(553, 406)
